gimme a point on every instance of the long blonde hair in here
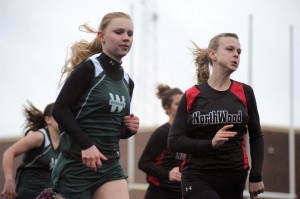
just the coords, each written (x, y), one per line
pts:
(83, 49)
(203, 61)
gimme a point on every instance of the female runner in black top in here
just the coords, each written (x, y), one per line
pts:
(211, 124)
(159, 163)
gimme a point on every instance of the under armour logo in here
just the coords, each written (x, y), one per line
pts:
(116, 103)
(111, 62)
(180, 156)
(188, 188)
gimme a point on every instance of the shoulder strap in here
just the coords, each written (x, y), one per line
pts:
(98, 67)
(126, 77)
(46, 137)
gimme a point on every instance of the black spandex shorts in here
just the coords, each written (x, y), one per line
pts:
(197, 185)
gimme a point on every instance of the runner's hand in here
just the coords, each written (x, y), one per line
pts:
(222, 136)
(92, 157)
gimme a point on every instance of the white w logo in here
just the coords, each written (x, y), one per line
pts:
(116, 103)
(52, 163)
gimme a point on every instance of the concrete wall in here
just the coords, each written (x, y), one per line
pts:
(276, 164)
(275, 170)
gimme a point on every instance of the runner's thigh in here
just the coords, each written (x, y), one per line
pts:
(116, 189)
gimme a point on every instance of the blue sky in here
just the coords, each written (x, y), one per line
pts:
(35, 35)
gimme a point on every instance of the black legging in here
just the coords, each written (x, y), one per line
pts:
(154, 192)
(213, 185)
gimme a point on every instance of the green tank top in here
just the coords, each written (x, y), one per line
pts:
(34, 173)
(43, 157)
(100, 112)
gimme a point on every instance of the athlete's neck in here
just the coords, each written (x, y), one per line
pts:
(112, 68)
(108, 61)
(219, 84)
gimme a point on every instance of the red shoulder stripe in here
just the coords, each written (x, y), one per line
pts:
(190, 96)
(183, 162)
(238, 89)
